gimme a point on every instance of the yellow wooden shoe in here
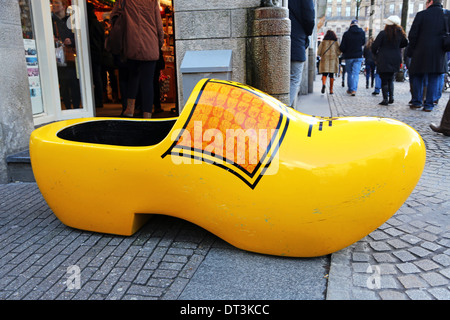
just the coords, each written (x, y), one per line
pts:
(236, 162)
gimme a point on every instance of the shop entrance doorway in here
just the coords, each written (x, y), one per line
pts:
(110, 101)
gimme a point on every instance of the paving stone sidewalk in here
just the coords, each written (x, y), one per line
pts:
(408, 258)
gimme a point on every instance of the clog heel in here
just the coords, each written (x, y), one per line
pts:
(236, 162)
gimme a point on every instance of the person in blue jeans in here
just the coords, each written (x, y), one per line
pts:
(351, 46)
(301, 14)
(427, 55)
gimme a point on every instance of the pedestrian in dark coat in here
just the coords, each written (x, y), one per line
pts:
(302, 16)
(386, 48)
(351, 46)
(427, 55)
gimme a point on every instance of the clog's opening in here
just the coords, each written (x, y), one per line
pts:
(119, 132)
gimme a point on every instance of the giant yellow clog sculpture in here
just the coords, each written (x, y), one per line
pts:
(237, 162)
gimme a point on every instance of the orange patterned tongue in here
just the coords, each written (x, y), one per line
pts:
(231, 116)
(234, 127)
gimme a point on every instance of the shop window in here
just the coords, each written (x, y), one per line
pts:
(31, 56)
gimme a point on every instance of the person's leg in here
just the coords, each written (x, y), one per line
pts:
(64, 91)
(368, 74)
(444, 127)
(98, 85)
(331, 83)
(349, 69)
(411, 88)
(113, 84)
(445, 121)
(355, 70)
(354, 66)
(156, 91)
(75, 91)
(377, 84)
(146, 86)
(295, 80)
(344, 71)
(391, 88)
(417, 90)
(324, 82)
(432, 87)
(372, 74)
(132, 86)
(384, 88)
(439, 88)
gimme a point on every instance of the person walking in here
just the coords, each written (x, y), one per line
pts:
(351, 46)
(369, 61)
(387, 49)
(143, 40)
(329, 53)
(302, 15)
(427, 54)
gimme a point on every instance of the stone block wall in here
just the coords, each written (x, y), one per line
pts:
(16, 118)
(215, 25)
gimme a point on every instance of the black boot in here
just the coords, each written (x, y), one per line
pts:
(444, 127)
(384, 90)
(391, 92)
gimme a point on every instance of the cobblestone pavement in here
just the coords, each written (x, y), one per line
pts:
(406, 258)
(38, 254)
(409, 256)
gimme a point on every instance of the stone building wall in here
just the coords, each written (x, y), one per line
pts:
(16, 118)
(216, 25)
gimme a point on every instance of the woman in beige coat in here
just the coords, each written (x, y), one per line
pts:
(329, 53)
(143, 41)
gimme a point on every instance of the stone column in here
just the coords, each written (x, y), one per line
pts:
(16, 118)
(269, 52)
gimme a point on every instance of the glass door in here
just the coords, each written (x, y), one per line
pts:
(62, 45)
(71, 47)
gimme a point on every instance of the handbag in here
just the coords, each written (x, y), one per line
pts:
(59, 53)
(446, 37)
(69, 53)
(115, 43)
